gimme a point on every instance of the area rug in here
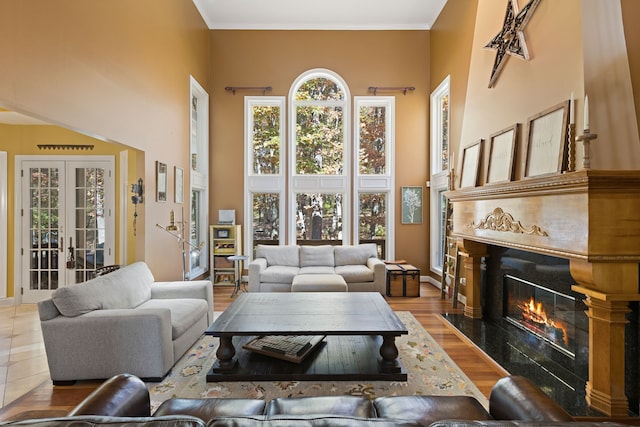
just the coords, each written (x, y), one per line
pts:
(430, 371)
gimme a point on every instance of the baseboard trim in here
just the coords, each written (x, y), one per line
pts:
(7, 302)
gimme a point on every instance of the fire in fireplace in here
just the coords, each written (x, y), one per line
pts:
(546, 313)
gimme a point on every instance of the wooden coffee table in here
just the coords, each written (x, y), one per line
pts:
(360, 345)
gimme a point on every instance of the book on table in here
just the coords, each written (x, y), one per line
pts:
(292, 348)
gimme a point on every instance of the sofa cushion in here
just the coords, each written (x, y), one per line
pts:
(127, 287)
(278, 274)
(428, 409)
(317, 270)
(357, 254)
(319, 420)
(185, 312)
(316, 256)
(352, 406)
(355, 273)
(279, 255)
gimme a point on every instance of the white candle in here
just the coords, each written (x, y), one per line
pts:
(572, 110)
(586, 112)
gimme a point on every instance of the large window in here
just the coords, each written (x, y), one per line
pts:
(264, 178)
(199, 181)
(319, 169)
(440, 165)
(325, 185)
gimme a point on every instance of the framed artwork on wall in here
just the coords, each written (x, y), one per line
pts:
(411, 205)
(502, 154)
(545, 145)
(470, 173)
(179, 184)
(161, 182)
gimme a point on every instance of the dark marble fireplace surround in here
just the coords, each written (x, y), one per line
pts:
(561, 374)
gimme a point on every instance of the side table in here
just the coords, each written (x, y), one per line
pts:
(237, 263)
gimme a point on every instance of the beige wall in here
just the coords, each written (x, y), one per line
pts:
(630, 13)
(363, 59)
(117, 70)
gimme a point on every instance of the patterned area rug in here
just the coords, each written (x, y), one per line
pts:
(430, 372)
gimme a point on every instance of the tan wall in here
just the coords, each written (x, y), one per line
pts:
(453, 32)
(363, 59)
(117, 70)
(630, 13)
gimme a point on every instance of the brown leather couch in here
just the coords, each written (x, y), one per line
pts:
(124, 401)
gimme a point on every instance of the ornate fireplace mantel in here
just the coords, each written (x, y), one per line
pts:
(590, 217)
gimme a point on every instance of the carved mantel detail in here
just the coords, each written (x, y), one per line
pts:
(499, 220)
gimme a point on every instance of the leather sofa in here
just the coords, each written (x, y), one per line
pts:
(124, 401)
(274, 267)
(124, 321)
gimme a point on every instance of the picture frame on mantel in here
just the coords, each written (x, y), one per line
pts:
(161, 182)
(502, 154)
(470, 169)
(545, 148)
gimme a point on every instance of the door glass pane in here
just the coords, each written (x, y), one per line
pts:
(266, 218)
(373, 131)
(266, 139)
(90, 227)
(319, 216)
(372, 221)
(194, 230)
(444, 128)
(319, 140)
(43, 229)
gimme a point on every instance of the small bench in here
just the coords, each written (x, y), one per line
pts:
(318, 283)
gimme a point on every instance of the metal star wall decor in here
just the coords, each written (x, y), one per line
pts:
(510, 40)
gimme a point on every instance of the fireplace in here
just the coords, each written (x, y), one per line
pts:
(547, 314)
(587, 218)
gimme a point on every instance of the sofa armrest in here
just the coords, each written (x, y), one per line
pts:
(198, 289)
(256, 267)
(120, 337)
(379, 274)
(124, 395)
(517, 398)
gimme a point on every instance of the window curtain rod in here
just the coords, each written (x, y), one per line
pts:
(233, 89)
(402, 89)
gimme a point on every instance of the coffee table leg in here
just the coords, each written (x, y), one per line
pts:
(389, 353)
(225, 354)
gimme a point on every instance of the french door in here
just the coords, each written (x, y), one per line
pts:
(67, 223)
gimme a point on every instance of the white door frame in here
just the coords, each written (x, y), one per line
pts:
(17, 223)
(4, 211)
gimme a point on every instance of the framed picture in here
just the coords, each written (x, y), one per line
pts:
(161, 182)
(222, 233)
(179, 184)
(546, 148)
(471, 155)
(412, 205)
(502, 154)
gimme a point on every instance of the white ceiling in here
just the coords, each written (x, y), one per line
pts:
(320, 14)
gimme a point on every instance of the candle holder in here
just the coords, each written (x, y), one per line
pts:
(571, 148)
(586, 139)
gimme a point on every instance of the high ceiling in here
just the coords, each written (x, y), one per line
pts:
(320, 15)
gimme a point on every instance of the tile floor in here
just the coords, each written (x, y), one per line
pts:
(23, 363)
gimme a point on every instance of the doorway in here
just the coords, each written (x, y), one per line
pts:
(67, 229)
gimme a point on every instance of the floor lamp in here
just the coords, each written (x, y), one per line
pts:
(184, 244)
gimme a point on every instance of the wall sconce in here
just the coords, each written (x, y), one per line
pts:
(136, 199)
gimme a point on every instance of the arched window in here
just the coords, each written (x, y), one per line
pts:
(319, 194)
(324, 183)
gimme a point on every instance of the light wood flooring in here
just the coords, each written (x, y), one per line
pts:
(24, 376)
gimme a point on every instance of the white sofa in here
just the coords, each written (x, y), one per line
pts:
(274, 267)
(122, 322)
